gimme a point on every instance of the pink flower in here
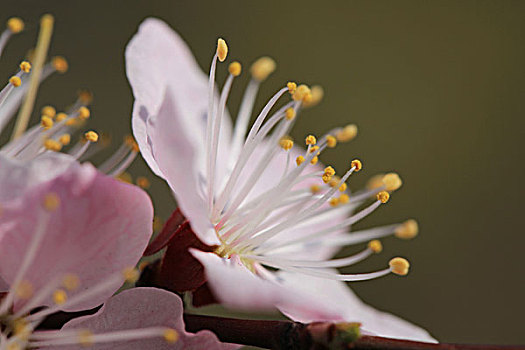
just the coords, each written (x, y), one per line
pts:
(256, 203)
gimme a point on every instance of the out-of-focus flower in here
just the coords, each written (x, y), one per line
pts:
(256, 202)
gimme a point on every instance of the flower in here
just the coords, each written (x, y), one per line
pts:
(261, 208)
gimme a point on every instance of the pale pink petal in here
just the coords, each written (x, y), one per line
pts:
(142, 308)
(236, 287)
(335, 294)
(101, 226)
(18, 176)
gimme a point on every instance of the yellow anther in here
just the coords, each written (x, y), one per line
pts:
(130, 141)
(143, 265)
(383, 196)
(60, 64)
(343, 187)
(73, 121)
(307, 98)
(315, 189)
(344, 198)
(24, 290)
(131, 274)
(158, 223)
(235, 69)
(329, 171)
(46, 122)
(21, 329)
(314, 149)
(70, 281)
(407, 230)
(59, 297)
(326, 178)
(143, 182)
(299, 160)
(375, 181)
(375, 246)
(51, 201)
(91, 136)
(399, 266)
(334, 181)
(52, 145)
(347, 133)
(331, 141)
(311, 140)
(286, 144)
(392, 181)
(315, 96)
(125, 177)
(60, 116)
(289, 113)
(222, 49)
(291, 87)
(300, 93)
(357, 164)
(333, 201)
(171, 335)
(83, 113)
(85, 96)
(15, 81)
(49, 111)
(65, 139)
(85, 338)
(15, 25)
(25, 67)
(314, 160)
(262, 68)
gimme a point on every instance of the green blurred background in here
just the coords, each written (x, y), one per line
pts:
(436, 87)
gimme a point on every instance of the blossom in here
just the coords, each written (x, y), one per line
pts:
(261, 209)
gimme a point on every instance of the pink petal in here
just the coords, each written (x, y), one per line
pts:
(18, 176)
(142, 308)
(335, 294)
(101, 226)
(236, 287)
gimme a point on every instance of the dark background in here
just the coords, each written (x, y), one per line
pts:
(436, 88)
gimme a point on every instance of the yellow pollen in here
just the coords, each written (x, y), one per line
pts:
(70, 281)
(52, 145)
(289, 113)
(222, 49)
(60, 64)
(286, 144)
(21, 329)
(24, 290)
(171, 335)
(85, 96)
(347, 133)
(49, 111)
(59, 297)
(315, 96)
(85, 338)
(344, 198)
(73, 121)
(25, 67)
(329, 171)
(235, 69)
(262, 68)
(51, 201)
(46, 122)
(383, 196)
(91, 136)
(311, 140)
(375, 246)
(315, 189)
(314, 160)
(299, 160)
(15, 81)
(375, 181)
(125, 177)
(399, 266)
(334, 181)
(331, 141)
(392, 181)
(333, 201)
(130, 141)
(407, 230)
(343, 187)
(301, 92)
(313, 149)
(291, 87)
(65, 139)
(83, 113)
(357, 164)
(61, 116)
(158, 223)
(326, 178)
(131, 274)
(143, 182)
(15, 25)
(307, 99)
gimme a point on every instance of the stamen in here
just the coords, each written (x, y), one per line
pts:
(262, 68)
(348, 133)
(383, 196)
(399, 266)
(392, 182)
(407, 230)
(235, 69)
(222, 49)
(49, 111)
(15, 25)
(317, 94)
